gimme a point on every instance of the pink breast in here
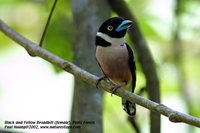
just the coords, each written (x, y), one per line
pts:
(114, 63)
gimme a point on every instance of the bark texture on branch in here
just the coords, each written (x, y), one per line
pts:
(174, 116)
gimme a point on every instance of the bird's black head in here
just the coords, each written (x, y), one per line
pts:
(115, 27)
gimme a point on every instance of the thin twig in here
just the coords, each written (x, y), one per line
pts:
(174, 116)
(47, 24)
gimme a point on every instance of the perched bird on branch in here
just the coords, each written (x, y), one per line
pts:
(115, 57)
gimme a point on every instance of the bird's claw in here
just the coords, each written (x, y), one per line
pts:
(99, 80)
(113, 89)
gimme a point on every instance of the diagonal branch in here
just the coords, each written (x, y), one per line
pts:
(34, 49)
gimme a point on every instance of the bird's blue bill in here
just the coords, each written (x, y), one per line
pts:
(124, 25)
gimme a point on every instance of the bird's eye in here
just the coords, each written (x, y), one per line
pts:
(110, 28)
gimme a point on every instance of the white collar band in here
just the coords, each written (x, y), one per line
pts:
(111, 40)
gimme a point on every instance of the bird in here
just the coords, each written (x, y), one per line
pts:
(115, 58)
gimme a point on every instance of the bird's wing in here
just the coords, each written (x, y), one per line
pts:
(132, 66)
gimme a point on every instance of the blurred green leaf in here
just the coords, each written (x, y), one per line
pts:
(59, 38)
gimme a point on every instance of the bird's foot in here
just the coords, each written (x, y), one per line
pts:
(99, 80)
(114, 88)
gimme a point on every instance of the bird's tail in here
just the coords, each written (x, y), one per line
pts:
(129, 107)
